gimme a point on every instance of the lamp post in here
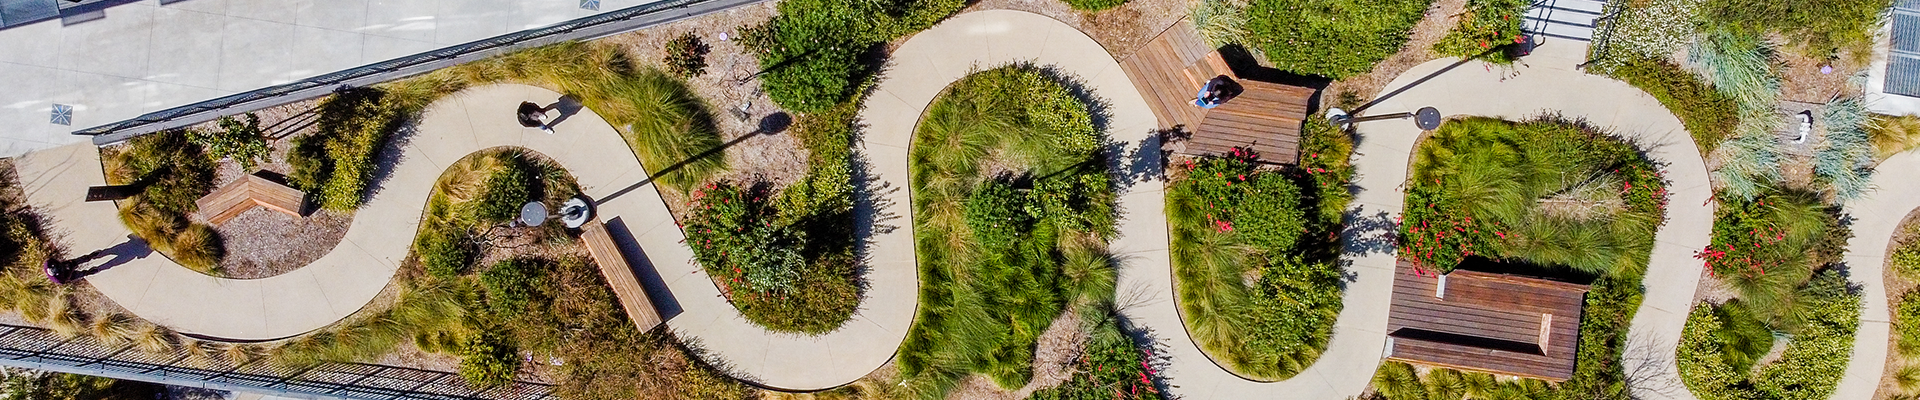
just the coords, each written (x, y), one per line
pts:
(1426, 118)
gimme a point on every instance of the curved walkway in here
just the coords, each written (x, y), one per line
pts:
(1876, 218)
(354, 272)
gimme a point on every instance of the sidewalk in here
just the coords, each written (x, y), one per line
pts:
(145, 57)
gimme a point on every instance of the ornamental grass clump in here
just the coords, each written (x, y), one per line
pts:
(1547, 191)
(1844, 157)
(1740, 66)
(173, 173)
(1002, 256)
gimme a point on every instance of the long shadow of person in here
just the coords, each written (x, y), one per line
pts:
(122, 253)
(568, 106)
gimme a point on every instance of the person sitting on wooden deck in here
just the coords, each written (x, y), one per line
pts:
(1216, 92)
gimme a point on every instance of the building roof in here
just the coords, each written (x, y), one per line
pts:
(1488, 322)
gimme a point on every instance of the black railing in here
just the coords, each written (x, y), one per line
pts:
(596, 26)
(37, 348)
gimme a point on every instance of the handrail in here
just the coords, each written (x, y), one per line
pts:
(41, 349)
(585, 28)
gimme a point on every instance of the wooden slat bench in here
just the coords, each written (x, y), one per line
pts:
(251, 190)
(1265, 117)
(619, 275)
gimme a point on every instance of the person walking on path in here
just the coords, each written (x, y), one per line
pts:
(533, 115)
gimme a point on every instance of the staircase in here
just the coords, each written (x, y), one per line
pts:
(1564, 19)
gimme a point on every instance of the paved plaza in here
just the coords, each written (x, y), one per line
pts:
(144, 56)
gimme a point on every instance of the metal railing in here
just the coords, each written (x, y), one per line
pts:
(586, 28)
(41, 349)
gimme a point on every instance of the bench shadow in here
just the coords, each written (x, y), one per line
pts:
(644, 270)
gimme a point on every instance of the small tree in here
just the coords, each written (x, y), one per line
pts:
(238, 138)
(687, 56)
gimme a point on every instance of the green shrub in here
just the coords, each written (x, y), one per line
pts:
(686, 56)
(445, 254)
(811, 54)
(987, 295)
(508, 187)
(1743, 338)
(1485, 25)
(1094, 5)
(1325, 155)
(1824, 29)
(238, 139)
(760, 252)
(336, 162)
(511, 284)
(1330, 38)
(1708, 115)
(1809, 369)
(1546, 191)
(488, 359)
(1906, 324)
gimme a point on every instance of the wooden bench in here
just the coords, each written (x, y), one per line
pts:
(252, 190)
(1265, 117)
(619, 275)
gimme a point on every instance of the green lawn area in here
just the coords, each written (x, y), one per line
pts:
(1577, 200)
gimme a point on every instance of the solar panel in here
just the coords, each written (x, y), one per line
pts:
(1903, 64)
(1903, 76)
(20, 12)
(1906, 32)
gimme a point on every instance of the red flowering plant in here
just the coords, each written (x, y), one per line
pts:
(1485, 25)
(1437, 231)
(1260, 206)
(1775, 233)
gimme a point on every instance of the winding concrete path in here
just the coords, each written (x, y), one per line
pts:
(1547, 82)
(1876, 218)
(346, 279)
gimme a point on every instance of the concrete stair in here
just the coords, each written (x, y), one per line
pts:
(1565, 19)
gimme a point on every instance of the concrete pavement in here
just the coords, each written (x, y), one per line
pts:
(145, 57)
(1876, 218)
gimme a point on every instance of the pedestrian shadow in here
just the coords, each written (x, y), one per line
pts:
(567, 105)
(643, 269)
(119, 254)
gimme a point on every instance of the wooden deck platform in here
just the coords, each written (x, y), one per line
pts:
(1502, 324)
(619, 275)
(1266, 117)
(251, 190)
